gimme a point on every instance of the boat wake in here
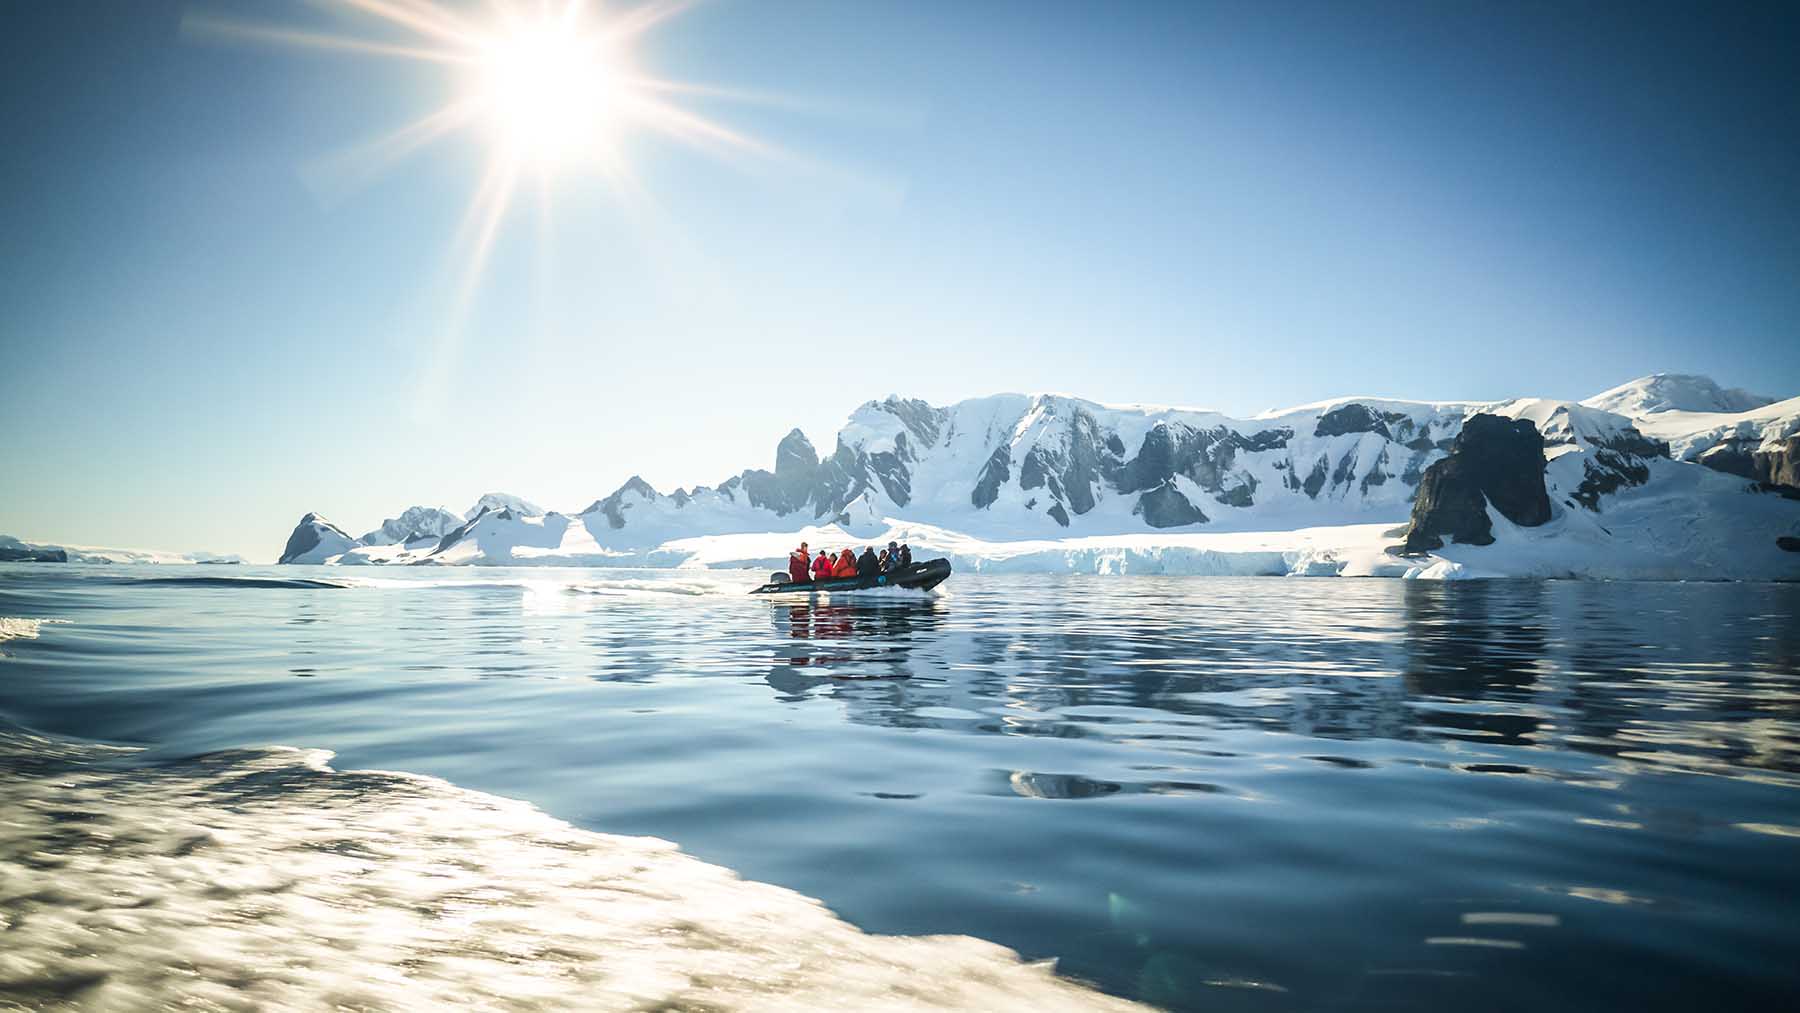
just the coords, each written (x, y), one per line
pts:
(299, 583)
(264, 878)
(23, 629)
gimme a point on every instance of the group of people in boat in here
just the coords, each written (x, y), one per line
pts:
(804, 567)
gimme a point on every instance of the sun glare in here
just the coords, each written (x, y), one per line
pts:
(549, 86)
(550, 95)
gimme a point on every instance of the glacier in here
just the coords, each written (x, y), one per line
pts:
(1666, 477)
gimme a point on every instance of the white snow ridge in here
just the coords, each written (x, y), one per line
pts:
(1666, 477)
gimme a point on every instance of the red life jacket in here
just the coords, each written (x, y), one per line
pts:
(846, 565)
(797, 565)
(821, 567)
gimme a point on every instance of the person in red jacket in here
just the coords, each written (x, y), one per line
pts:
(821, 566)
(799, 564)
(846, 565)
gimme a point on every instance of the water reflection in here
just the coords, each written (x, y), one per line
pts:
(1506, 665)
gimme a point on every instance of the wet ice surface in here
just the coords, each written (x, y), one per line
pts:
(1208, 794)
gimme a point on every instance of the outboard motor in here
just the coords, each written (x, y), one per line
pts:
(779, 577)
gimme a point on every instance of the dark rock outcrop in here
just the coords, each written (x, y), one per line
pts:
(1782, 467)
(1778, 468)
(1165, 507)
(1206, 456)
(1616, 461)
(32, 554)
(994, 474)
(1355, 418)
(1788, 543)
(1493, 460)
(1608, 471)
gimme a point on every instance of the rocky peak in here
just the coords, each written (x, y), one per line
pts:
(1494, 460)
(795, 456)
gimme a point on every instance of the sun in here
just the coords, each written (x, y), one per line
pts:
(549, 86)
(551, 95)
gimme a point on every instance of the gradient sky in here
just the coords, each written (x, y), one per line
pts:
(205, 331)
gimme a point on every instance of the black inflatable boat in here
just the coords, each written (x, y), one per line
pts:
(922, 576)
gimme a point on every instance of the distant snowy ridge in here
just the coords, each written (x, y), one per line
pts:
(1663, 392)
(13, 548)
(987, 474)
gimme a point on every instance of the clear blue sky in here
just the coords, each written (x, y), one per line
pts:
(203, 334)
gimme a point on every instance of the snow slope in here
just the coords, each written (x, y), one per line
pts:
(1663, 392)
(1057, 483)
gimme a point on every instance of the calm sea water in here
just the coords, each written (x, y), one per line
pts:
(1220, 794)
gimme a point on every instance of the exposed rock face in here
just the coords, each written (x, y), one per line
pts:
(1494, 460)
(791, 485)
(1353, 418)
(314, 540)
(1206, 456)
(1787, 543)
(1742, 456)
(1165, 507)
(995, 473)
(1069, 459)
(1616, 460)
(1782, 467)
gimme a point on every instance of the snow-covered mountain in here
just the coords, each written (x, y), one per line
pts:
(988, 476)
(1681, 392)
(419, 522)
(499, 501)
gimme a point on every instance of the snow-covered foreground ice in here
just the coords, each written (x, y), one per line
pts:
(264, 879)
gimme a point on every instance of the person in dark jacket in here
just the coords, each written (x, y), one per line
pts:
(905, 555)
(892, 555)
(867, 564)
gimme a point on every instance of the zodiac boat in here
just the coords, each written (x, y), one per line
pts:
(923, 576)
